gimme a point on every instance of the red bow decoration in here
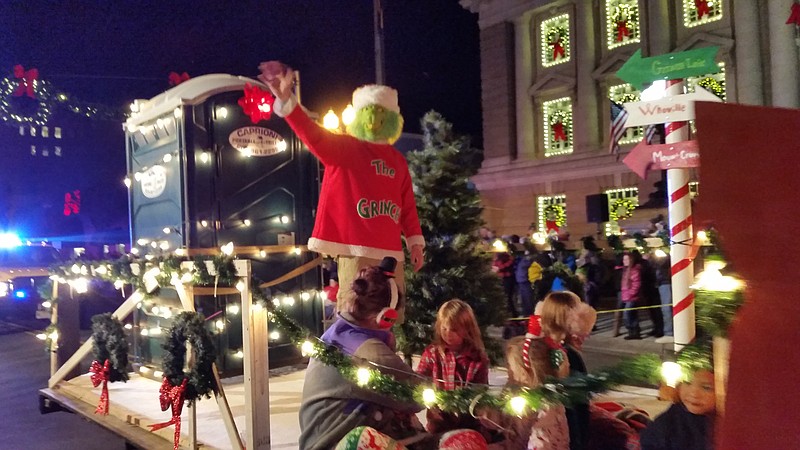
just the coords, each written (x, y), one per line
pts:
(175, 78)
(622, 30)
(100, 374)
(558, 49)
(795, 16)
(256, 103)
(26, 79)
(171, 396)
(558, 132)
(702, 8)
(551, 225)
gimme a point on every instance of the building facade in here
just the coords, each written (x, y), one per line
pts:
(548, 75)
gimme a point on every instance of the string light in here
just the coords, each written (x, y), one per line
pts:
(308, 349)
(363, 376)
(672, 373)
(518, 405)
(429, 397)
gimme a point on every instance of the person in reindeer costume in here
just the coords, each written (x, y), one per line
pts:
(366, 203)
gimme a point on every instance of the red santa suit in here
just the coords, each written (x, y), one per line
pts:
(366, 202)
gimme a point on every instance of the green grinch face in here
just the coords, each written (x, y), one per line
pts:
(376, 124)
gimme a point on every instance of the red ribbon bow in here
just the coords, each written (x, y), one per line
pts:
(622, 30)
(551, 225)
(256, 103)
(171, 396)
(558, 132)
(558, 49)
(702, 8)
(795, 16)
(26, 78)
(100, 374)
(175, 78)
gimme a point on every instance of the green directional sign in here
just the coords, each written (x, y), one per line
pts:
(639, 71)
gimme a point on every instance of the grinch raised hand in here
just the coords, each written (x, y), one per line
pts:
(366, 203)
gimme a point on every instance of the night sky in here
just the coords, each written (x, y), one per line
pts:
(112, 52)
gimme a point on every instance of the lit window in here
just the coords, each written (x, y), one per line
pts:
(45, 132)
(57, 151)
(557, 122)
(622, 22)
(22, 131)
(33, 150)
(621, 203)
(33, 132)
(57, 133)
(555, 40)
(45, 152)
(694, 189)
(621, 94)
(552, 212)
(699, 12)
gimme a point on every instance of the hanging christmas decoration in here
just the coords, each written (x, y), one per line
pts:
(701, 6)
(111, 347)
(713, 85)
(559, 121)
(16, 109)
(27, 80)
(555, 217)
(256, 103)
(624, 17)
(555, 35)
(794, 17)
(190, 327)
(621, 209)
(175, 78)
(172, 397)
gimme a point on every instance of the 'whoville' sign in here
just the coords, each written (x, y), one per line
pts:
(257, 141)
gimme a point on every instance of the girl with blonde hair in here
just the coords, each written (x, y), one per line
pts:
(456, 358)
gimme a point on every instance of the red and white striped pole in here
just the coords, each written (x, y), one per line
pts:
(680, 220)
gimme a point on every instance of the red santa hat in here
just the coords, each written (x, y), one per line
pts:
(376, 94)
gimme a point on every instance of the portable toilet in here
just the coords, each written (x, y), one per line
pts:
(204, 173)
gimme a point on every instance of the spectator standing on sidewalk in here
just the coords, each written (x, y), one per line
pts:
(523, 282)
(503, 266)
(631, 292)
(650, 295)
(664, 281)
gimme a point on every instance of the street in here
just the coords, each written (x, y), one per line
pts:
(26, 368)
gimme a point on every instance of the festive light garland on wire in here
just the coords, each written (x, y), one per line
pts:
(363, 373)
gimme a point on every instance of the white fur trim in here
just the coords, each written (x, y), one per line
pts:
(395, 293)
(337, 249)
(284, 109)
(376, 94)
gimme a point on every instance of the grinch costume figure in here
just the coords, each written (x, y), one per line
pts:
(366, 202)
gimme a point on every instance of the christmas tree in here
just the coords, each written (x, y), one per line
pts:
(456, 263)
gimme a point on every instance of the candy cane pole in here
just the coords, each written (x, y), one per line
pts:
(680, 220)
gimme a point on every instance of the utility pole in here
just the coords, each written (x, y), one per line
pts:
(378, 32)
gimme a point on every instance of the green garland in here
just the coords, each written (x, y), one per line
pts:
(717, 309)
(109, 343)
(190, 327)
(626, 204)
(556, 213)
(625, 13)
(556, 33)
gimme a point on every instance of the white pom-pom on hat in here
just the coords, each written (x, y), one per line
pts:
(376, 94)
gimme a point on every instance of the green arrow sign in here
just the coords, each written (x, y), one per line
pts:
(639, 71)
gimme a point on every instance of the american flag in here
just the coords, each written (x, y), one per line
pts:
(650, 133)
(618, 118)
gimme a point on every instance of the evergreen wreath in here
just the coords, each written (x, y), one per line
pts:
(621, 209)
(555, 212)
(109, 344)
(190, 327)
(713, 85)
(626, 15)
(556, 33)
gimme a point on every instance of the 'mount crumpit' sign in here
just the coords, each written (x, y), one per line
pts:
(257, 141)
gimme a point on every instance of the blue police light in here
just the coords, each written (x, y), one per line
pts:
(8, 240)
(20, 294)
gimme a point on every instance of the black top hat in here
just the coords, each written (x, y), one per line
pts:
(388, 265)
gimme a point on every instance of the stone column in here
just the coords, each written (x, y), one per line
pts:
(525, 61)
(586, 118)
(657, 27)
(749, 70)
(497, 91)
(783, 55)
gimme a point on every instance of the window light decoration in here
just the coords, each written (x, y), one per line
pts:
(626, 93)
(622, 22)
(557, 124)
(621, 202)
(554, 45)
(713, 82)
(700, 12)
(552, 213)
